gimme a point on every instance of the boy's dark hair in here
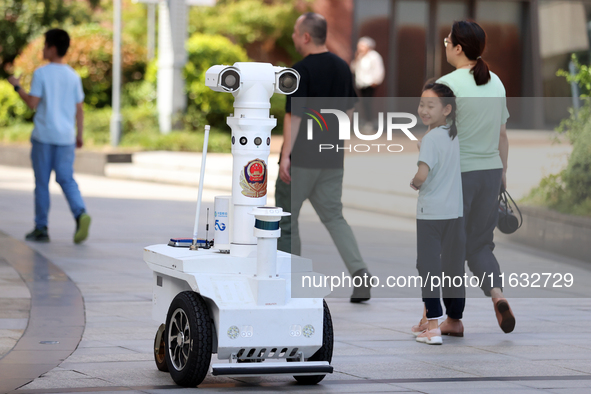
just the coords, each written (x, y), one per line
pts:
(59, 39)
(447, 97)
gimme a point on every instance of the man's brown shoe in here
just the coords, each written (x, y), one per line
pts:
(505, 315)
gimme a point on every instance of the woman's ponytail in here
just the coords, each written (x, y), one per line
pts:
(472, 38)
(481, 72)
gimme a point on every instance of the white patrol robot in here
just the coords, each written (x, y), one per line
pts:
(235, 298)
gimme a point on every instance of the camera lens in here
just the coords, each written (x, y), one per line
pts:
(258, 141)
(243, 140)
(287, 83)
(230, 80)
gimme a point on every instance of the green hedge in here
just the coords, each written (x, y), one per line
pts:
(204, 105)
(140, 133)
(187, 141)
(12, 109)
(570, 190)
(91, 55)
(262, 26)
(136, 120)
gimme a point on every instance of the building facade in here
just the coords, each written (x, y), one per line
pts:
(528, 41)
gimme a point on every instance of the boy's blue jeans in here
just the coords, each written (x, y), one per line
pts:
(59, 158)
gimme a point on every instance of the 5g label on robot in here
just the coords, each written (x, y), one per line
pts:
(219, 225)
(221, 207)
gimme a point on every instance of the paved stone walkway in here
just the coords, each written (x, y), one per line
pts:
(549, 351)
(14, 307)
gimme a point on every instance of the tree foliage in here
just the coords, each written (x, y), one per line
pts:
(12, 108)
(581, 78)
(262, 25)
(570, 190)
(204, 104)
(22, 20)
(90, 54)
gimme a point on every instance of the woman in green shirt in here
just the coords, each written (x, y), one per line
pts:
(481, 118)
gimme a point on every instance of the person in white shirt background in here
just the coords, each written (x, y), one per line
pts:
(368, 68)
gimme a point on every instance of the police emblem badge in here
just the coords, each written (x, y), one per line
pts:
(253, 179)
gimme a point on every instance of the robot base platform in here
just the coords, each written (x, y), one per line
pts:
(213, 303)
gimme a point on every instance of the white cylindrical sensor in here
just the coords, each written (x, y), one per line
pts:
(221, 213)
(266, 229)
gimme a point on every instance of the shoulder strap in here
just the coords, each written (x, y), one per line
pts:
(506, 197)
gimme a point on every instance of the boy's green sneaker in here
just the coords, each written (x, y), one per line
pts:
(82, 225)
(38, 235)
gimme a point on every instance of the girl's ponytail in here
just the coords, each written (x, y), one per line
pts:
(453, 128)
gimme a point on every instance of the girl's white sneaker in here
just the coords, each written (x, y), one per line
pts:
(419, 328)
(430, 337)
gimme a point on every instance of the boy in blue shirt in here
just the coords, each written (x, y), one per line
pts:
(57, 96)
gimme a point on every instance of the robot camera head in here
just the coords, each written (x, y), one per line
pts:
(286, 81)
(223, 79)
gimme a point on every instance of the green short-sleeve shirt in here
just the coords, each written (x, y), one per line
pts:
(481, 110)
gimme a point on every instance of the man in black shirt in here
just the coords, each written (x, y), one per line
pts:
(319, 174)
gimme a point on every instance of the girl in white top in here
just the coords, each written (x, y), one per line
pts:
(439, 213)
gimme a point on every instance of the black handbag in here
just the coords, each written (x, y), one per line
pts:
(508, 222)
